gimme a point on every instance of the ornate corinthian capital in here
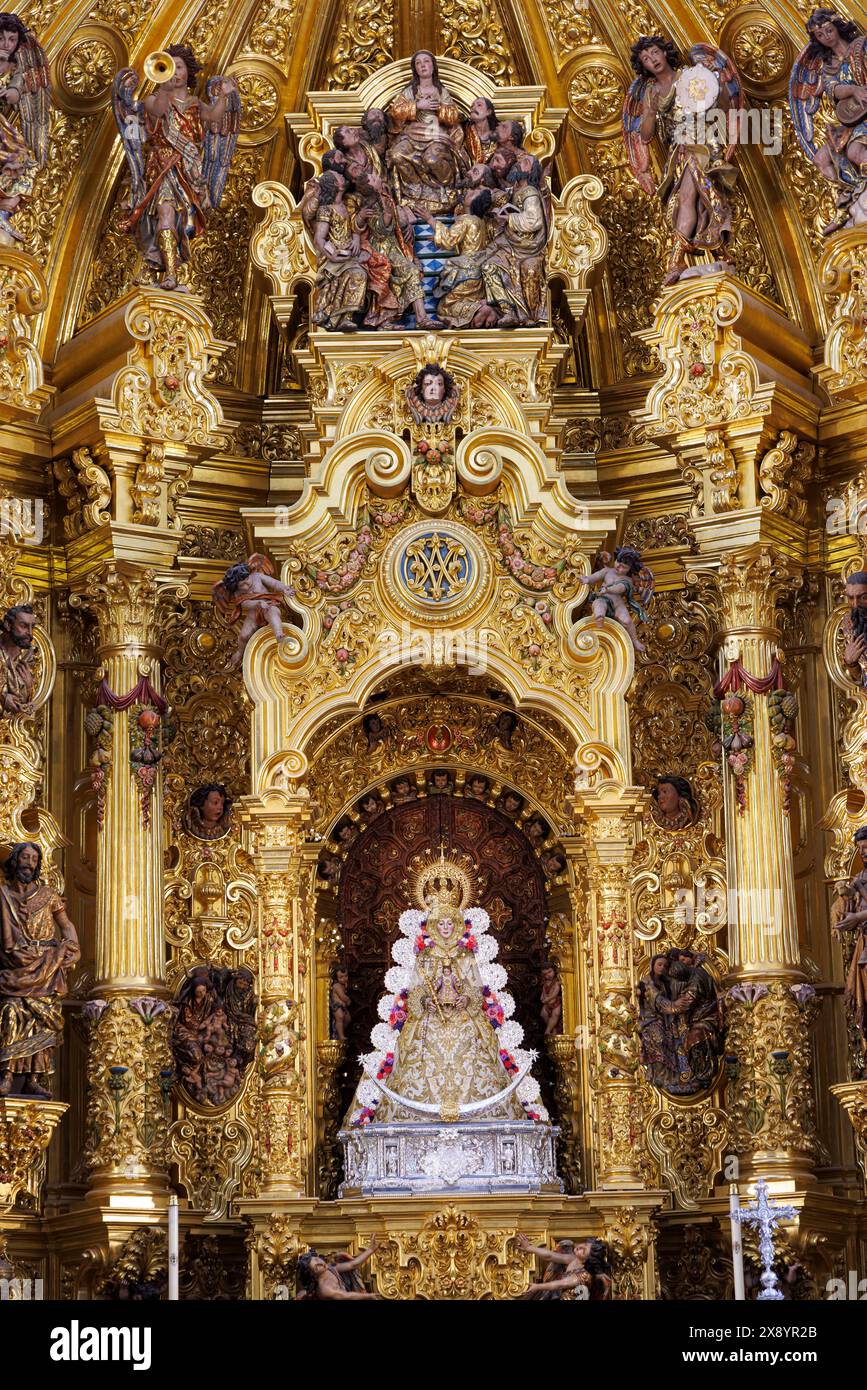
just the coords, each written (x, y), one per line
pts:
(126, 602)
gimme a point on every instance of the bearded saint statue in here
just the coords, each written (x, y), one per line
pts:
(447, 1047)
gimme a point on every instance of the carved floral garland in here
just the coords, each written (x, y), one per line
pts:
(342, 577)
(499, 1007)
(532, 575)
(149, 717)
(731, 721)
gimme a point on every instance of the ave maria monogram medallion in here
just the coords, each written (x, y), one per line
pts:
(437, 573)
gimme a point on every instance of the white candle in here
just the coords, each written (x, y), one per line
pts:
(173, 1249)
(737, 1247)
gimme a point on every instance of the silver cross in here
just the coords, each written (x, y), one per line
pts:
(767, 1216)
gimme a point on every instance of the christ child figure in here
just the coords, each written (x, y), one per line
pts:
(249, 593)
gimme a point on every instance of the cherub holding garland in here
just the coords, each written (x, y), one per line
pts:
(625, 587)
(250, 592)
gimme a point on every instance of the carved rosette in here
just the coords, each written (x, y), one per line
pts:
(26, 1127)
(130, 1073)
(843, 278)
(769, 1094)
(23, 296)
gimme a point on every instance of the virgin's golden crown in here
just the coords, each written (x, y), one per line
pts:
(442, 885)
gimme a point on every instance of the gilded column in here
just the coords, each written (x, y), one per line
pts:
(770, 1092)
(130, 950)
(129, 1063)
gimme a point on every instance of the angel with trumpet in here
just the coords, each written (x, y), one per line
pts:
(178, 149)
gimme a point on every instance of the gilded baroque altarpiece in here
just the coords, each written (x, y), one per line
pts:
(163, 436)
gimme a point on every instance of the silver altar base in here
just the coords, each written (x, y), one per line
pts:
(490, 1156)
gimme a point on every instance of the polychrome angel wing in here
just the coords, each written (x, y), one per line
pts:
(35, 101)
(261, 563)
(223, 600)
(129, 115)
(636, 150)
(220, 141)
(729, 77)
(805, 98)
(644, 586)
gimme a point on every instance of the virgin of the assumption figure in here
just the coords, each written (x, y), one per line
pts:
(24, 93)
(178, 149)
(447, 1046)
(834, 66)
(686, 108)
(428, 154)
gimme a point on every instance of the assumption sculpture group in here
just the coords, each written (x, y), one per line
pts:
(426, 217)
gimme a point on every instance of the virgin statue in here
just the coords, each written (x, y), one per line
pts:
(427, 156)
(447, 1047)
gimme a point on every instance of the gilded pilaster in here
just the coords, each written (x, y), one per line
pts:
(275, 825)
(610, 817)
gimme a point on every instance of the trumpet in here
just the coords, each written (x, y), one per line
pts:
(159, 67)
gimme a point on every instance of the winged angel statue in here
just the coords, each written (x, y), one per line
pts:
(692, 108)
(834, 65)
(24, 89)
(179, 150)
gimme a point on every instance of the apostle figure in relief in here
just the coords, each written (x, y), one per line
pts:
(17, 660)
(849, 923)
(38, 947)
(446, 1041)
(686, 108)
(428, 156)
(834, 66)
(460, 286)
(514, 272)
